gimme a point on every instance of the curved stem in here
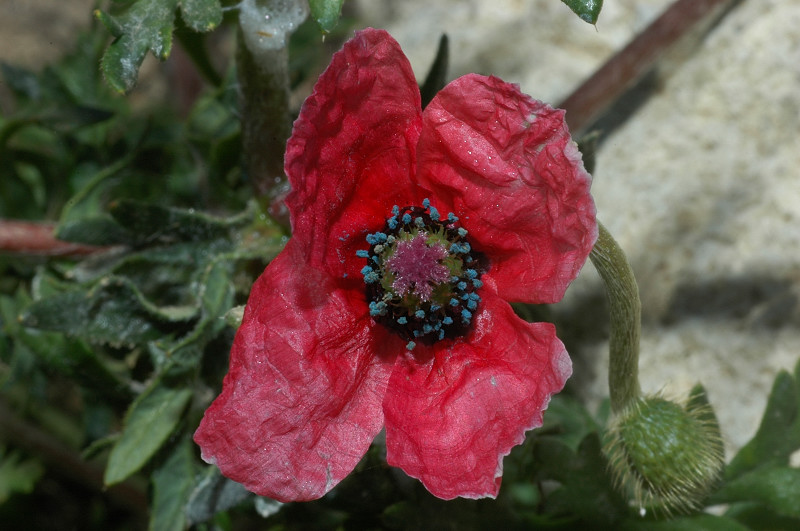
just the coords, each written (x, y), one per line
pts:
(625, 310)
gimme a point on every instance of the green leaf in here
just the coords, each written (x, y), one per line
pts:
(326, 13)
(201, 15)
(151, 222)
(587, 10)
(569, 420)
(16, 474)
(112, 312)
(437, 75)
(172, 485)
(69, 357)
(151, 419)
(146, 25)
(586, 487)
(778, 488)
(214, 493)
(754, 515)
(216, 298)
(778, 434)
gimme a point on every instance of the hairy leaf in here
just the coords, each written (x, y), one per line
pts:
(201, 15)
(112, 312)
(146, 26)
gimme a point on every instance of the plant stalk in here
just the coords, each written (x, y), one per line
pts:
(625, 310)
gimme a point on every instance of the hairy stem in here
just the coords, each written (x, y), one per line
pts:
(266, 125)
(626, 319)
(262, 65)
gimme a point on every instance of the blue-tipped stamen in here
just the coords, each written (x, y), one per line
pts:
(421, 275)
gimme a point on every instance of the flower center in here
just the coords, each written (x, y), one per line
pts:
(422, 276)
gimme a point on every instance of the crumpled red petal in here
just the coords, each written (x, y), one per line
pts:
(506, 165)
(450, 421)
(302, 400)
(353, 150)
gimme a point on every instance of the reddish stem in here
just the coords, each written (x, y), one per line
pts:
(629, 65)
(38, 239)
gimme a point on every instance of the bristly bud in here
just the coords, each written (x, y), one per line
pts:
(668, 457)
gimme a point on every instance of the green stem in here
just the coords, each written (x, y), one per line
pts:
(625, 310)
(266, 122)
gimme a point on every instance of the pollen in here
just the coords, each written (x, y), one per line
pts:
(422, 275)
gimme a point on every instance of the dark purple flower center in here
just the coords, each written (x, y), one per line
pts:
(422, 275)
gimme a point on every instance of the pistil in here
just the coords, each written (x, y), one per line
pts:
(422, 275)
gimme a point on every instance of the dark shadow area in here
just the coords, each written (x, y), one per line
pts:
(764, 301)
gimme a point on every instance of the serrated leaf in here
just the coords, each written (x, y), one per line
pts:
(112, 312)
(172, 485)
(216, 295)
(146, 26)
(69, 357)
(150, 222)
(151, 419)
(326, 13)
(778, 488)
(214, 493)
(587, 10)
(778, 434)
(201, 15)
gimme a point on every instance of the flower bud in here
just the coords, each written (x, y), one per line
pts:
(667, 456)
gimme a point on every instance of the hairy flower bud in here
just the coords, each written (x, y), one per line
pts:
(667, 456)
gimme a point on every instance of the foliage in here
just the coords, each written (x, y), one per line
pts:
(587, 10)
(112, 358)
(139, 26)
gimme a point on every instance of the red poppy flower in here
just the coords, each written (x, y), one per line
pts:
(389, 306)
